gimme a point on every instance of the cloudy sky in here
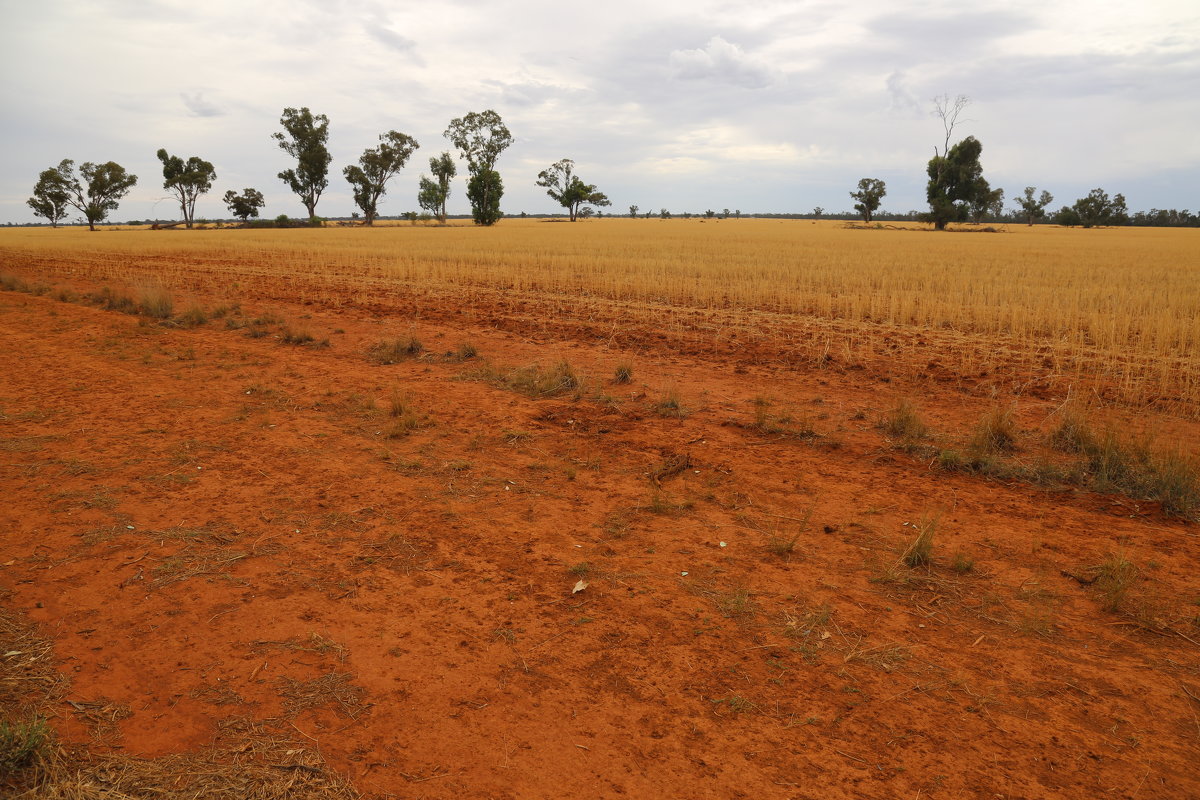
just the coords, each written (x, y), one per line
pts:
(762, 106)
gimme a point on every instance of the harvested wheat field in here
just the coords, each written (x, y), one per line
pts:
(641, 508)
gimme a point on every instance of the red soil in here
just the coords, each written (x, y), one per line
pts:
(203, 522)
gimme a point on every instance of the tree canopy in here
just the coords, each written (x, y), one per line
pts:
(376, 166)
(433, 194)
(1098, 209)
(566, 189)
(484, 190)
(101, 190)
(481, 137)
(187, 179)
(304, 138)
(870, 194)
(956, 183)
(52, 193)
(1031, 208)
(244, 205)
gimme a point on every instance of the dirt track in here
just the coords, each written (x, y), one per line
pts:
(213, 526)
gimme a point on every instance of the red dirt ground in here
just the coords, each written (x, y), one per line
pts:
(208, 524)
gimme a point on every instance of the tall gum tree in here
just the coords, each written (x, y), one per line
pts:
(52, 193)
(480, 138)
(188, 180)
(305, 138)
(100, 191)
(376, 166)
(566, 188)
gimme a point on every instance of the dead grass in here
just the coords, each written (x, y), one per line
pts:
(333, 689)
(533, 380)
(395, 351)
(904, 422)
(996, 432)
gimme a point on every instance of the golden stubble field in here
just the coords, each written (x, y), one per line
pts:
(851, 512)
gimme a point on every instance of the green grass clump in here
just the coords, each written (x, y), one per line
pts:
(21, 743)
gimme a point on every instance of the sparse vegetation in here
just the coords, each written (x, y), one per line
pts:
(920, 550)
(394, 351)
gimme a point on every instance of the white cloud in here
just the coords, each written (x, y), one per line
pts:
(721, 62)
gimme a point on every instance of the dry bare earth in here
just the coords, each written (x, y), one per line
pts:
(219, 530)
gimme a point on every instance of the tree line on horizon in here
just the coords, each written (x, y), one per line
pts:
(956, 189)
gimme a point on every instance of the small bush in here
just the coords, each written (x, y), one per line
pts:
(920, 550)
(623, 374)
(670, 405)
(1073, 434)
(395, 350)
(194, 317)
(297, 337)
(996, 432)
(20, 743)
(157, 303)
(903, 422)
(1114, 578)
(466, 351)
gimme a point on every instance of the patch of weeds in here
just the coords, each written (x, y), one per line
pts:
(903, 422)
(1114, 578)
(1073, 433)
(300, 337)
(623, 374)
(920, 551)
(406, 418)
(962, 563)
(22, 743)
(735, 603)
(996, 432)
(660, 503)
(736, 704)
(534, 381)
(581, 570)
(506, 635)
(617, 524)
(156, 302)
(466, 351)
(670, 405)
(783, 544)
(109, 300)
(194, 317)
(514, 436)
(394, 351)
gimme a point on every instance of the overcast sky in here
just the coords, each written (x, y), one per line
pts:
(759, 106)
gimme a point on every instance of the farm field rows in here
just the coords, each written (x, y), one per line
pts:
(325, 516)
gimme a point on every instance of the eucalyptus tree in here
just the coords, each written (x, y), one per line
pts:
(1033, 208)
(52, 193)
(305, 138)
(566, 188)
(244, 205)
(101, 188)
(376, 166)
(870, 194)
(187, 179)
(480, 138)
